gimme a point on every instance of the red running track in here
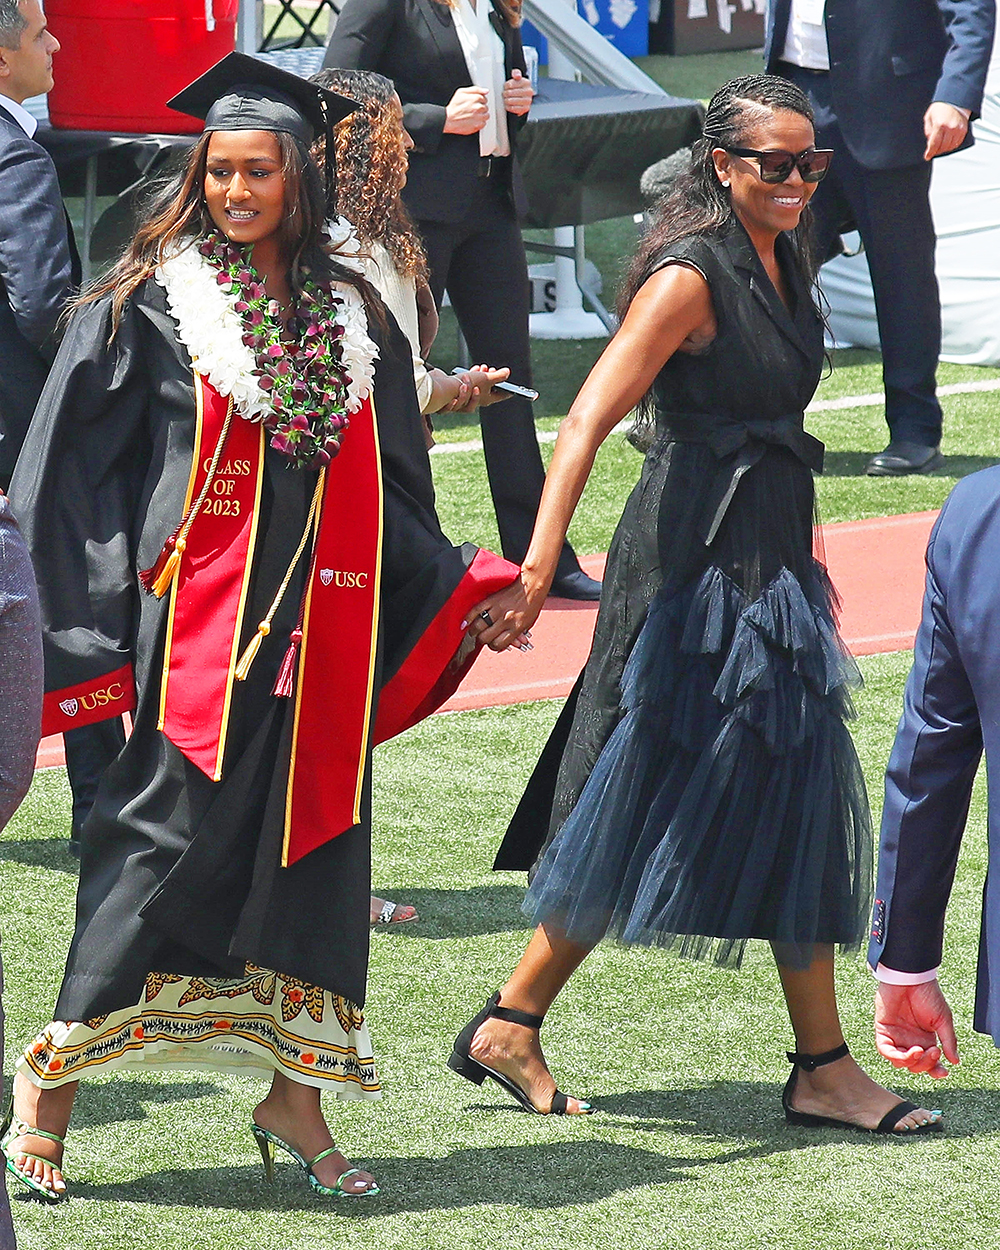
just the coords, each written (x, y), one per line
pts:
(876, 565)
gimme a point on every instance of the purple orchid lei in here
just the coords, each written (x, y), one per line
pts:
(301, 368)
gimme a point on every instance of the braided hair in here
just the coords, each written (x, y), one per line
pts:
(698, 203)
(371, 168)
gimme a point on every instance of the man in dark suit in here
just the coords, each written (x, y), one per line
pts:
(465, 193)
(951, 714)
(38, 269)
(894, 83)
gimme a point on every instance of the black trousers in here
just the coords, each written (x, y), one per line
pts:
(480, 261)
(90, 750)
(891, 210)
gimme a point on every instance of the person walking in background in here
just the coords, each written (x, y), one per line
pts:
(458, 66)
(371, 147)
(20, 708)
(39, 268)
(709, 791)
(372, 151)
(894, 84)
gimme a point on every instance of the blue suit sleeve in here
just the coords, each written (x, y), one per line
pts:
(969, 25)
(35, 265)
(928, 786)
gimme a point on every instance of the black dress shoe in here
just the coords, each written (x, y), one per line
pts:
(576, 586)
(901, 457)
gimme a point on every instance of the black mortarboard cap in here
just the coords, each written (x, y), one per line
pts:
(243, 93)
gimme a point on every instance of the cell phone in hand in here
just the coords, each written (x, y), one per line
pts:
(526, 392)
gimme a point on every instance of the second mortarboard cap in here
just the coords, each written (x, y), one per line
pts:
(243, 93)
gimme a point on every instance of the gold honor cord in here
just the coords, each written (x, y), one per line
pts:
(264, 628)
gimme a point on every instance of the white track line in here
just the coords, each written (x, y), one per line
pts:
(874, 400)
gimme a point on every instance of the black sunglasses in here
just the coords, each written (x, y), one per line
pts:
(775, 166)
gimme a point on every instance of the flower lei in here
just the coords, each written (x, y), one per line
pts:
(301, 368)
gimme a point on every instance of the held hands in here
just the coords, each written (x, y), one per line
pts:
(512, 610)
(518, 94)
(467, 112)
(914, 1029)
(945, 127)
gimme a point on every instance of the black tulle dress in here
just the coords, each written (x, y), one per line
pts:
(703, 788)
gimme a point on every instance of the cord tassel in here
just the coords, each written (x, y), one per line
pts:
(253, 646)
(285, 681)
(149, 577)
(169, 571)
(158, 579)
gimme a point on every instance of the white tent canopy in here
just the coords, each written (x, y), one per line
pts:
(965, 198)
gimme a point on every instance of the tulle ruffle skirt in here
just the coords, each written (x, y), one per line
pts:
(728, 802)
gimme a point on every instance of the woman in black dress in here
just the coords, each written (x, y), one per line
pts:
(708, 790)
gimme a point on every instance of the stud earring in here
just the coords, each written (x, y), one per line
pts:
(725, 182)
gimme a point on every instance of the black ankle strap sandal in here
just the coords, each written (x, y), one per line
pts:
(462, 1062)
(803, 1119)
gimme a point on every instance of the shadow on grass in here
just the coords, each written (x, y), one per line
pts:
(744, 1116)
(458, 913)
(539, 1176)
(753, 1108)
(39, 853)
(852, 464)
(120, 1101)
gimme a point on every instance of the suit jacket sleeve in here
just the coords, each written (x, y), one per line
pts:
(928, 784)
(75, 493)
(35, 264)
(359, 41)
(969, 25)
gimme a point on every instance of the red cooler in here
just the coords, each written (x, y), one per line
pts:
(121, 60)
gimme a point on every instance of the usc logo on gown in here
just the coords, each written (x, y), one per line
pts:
(340, 577)
(97, 698)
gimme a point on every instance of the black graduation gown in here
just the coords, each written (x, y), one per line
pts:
(180, 873)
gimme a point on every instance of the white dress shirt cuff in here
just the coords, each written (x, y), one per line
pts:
(891, 977)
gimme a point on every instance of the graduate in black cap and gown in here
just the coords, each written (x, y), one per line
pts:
(229, 505)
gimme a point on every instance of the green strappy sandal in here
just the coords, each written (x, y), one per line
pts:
(267, 1141)
(10, 1130)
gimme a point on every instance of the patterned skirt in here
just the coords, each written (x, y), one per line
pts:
(254, 1025)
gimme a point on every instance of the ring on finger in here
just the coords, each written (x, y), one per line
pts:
(485, 616)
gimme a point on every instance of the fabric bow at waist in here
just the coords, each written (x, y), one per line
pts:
(740, 444)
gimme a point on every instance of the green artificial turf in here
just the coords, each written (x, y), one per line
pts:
(684, 1063)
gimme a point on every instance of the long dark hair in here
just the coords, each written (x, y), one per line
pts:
(371, 167)
(698, 203)
(176, 210)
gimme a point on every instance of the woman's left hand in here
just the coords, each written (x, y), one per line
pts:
(518, 94)
(504, 619)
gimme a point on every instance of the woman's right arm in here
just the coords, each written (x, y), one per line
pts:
(670, 306)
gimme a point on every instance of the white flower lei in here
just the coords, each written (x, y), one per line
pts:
(212, 331)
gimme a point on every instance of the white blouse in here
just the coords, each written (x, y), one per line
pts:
(484, 55)
(400, 296)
